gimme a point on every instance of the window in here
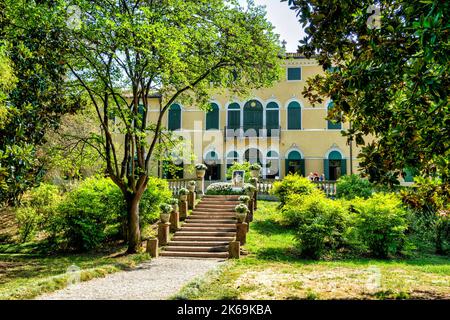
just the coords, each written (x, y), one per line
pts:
(272, 167)
(294, 116)
(174, 117)
(294, 74)
(212, 117)
(232, 157)
(272, 119)
(213, 166)
(234, 116)
(295, 163)
(335, 124)
(334, 166)
(253, 116)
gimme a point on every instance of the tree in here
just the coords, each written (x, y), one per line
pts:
(179, 49)
(33, 35)
(389, 77)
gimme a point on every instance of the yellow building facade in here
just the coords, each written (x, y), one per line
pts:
(276, 127)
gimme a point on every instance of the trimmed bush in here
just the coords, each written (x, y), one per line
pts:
(157, 192)
(38, 208)
(90, 213)
(382, 222)
(292, 184)
(323, 225)
(352, 186)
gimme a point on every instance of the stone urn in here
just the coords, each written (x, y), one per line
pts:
(165, 217)
(240, 216)
(241, 212)
(183, 197)
(200, 170)
(254, 173)
(191, 186)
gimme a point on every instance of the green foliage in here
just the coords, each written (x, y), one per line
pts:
(352, 186)
(165, 208)
(292, 184)
(226, 188)
(157, 192)
(391, 81)
(322, 224)
(239, 166)
(382, 222)
(241, 208)
(37, 211)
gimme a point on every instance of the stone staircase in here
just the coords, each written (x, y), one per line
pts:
(207, 232)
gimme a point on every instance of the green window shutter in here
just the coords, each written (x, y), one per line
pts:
(286, 167)
(294, 116)
(294, 74)
(175, 117)
(212, 117)
(302, 167)
(253, 115)
(343, 167)
(272, 119)
(326, 169)
(234, 119)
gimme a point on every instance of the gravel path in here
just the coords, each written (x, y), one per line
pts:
(154, 280)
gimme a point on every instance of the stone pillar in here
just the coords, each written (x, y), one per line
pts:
(202, 185)
(152, 247)
(183, 209)
(174, 220)
(163, 233)
(241, 232)
(255, 200)
(250, 212)
(191, 200)
(234, 250)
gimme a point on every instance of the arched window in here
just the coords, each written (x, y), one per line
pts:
(294, 114)
(232, 157)
(295, 163)
(212, 117)
(334, 124)
(234, 116)
(253, 155)
(272, 119)
(212, 162)
(272, 166)
(334, 166)
(174, 117)
(253, 116)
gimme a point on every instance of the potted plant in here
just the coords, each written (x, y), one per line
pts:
(249, 189)
(241, 212)
(200, 170)
(183, 193)
(166, 209)
(254, 170)
(191, 185)
(244, 199)
(174, 203)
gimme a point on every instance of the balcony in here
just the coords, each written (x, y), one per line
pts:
(251, 132)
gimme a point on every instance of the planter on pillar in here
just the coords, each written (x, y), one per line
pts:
(191, 199)
(200, 170)
(163, 233)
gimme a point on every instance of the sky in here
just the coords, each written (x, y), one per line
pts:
(284, 20)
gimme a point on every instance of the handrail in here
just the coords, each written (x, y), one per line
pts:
(248, 132)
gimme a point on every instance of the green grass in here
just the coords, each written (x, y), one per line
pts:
(25, 275)
(272, 270)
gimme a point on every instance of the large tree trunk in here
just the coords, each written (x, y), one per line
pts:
(134, 232)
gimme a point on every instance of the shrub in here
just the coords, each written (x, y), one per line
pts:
(157, 192)
(290, 215)
(382, 222)
(200, 166)
(323, 225)
(292, 184)
(183, 191)
(442, 241)
(241, 208)
(352, 186)
(38, 208)
(254, 166)
(90, 213)
(244, 199)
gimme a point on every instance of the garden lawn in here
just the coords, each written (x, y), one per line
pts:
(272, 271)
(26, 275)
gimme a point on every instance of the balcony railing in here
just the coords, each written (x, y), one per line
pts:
(252, 132)
(329, 187)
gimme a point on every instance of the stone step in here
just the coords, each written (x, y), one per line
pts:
(198, 220)
(208, 228)
(203, 238)
(205, 233)
(215, 206)
(222, 197)
(194, 254)
(212, 216)
(198, 249)
(216, 201)
(190, 224)
(211, 210)
(197, 243)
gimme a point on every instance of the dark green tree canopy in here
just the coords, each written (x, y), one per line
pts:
(390, 77)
